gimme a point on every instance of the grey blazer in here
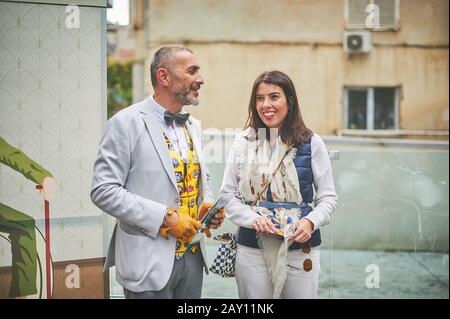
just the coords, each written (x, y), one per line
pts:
(134, 182)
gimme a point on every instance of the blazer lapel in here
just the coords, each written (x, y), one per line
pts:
(154, 129)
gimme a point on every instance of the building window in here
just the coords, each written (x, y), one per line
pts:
(361, 14)
(371, 108)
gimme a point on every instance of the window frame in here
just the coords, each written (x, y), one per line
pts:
(370, 116)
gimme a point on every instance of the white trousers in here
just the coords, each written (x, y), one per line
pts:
(253, 280)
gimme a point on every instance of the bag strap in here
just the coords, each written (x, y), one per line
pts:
(273, 175)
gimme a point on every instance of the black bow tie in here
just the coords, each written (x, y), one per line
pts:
(179, 118)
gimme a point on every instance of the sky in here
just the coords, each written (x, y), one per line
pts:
(118, 13)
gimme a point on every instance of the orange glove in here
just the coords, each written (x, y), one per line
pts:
(206, 232)
(186, 228)
(219, 215)
(204, 209)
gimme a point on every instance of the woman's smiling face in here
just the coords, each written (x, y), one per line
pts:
(271, 105)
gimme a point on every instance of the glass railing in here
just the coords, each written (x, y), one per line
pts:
(388, 237)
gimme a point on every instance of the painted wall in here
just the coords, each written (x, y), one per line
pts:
(53, 106)
(421, 22)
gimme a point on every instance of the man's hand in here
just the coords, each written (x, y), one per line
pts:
(48, 187)
(204, 209)
(171, 218)
(216, 221)
(186, 228)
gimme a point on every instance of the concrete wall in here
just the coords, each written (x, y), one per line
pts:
(236, 40)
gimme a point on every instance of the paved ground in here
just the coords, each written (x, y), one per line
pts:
(401, 274)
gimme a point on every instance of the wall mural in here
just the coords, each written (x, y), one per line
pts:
(21, 227)
(51, 112)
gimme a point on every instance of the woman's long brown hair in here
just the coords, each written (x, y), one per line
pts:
(293, 130)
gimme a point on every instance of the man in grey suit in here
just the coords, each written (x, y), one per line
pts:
(150, 175)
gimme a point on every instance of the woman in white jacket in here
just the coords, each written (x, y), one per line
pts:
(276, 169)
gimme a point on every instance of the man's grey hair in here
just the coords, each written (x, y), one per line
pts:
(162, 59)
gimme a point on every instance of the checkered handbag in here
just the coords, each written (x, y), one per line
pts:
(223, 263)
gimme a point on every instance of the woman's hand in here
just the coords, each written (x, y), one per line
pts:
(304, 228)
(263, 225)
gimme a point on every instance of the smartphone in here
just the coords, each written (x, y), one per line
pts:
(220, 203)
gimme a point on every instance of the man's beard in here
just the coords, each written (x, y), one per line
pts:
(182, 96)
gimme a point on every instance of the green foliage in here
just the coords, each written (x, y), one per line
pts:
(119, 86)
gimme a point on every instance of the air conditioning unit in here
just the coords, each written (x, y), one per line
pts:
(357, 42)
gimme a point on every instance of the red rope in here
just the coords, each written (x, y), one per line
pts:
(47, 249)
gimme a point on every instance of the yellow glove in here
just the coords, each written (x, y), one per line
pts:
(186, 228)
(204, 209)
(206, 232)
(219, 216)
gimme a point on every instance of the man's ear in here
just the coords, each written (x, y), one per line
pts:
(163, 76)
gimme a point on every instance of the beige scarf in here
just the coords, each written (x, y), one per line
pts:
(257, 162)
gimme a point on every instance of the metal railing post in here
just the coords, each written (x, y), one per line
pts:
(334, 156)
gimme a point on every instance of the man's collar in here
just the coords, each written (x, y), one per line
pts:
(159, 110)
(162, 109)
